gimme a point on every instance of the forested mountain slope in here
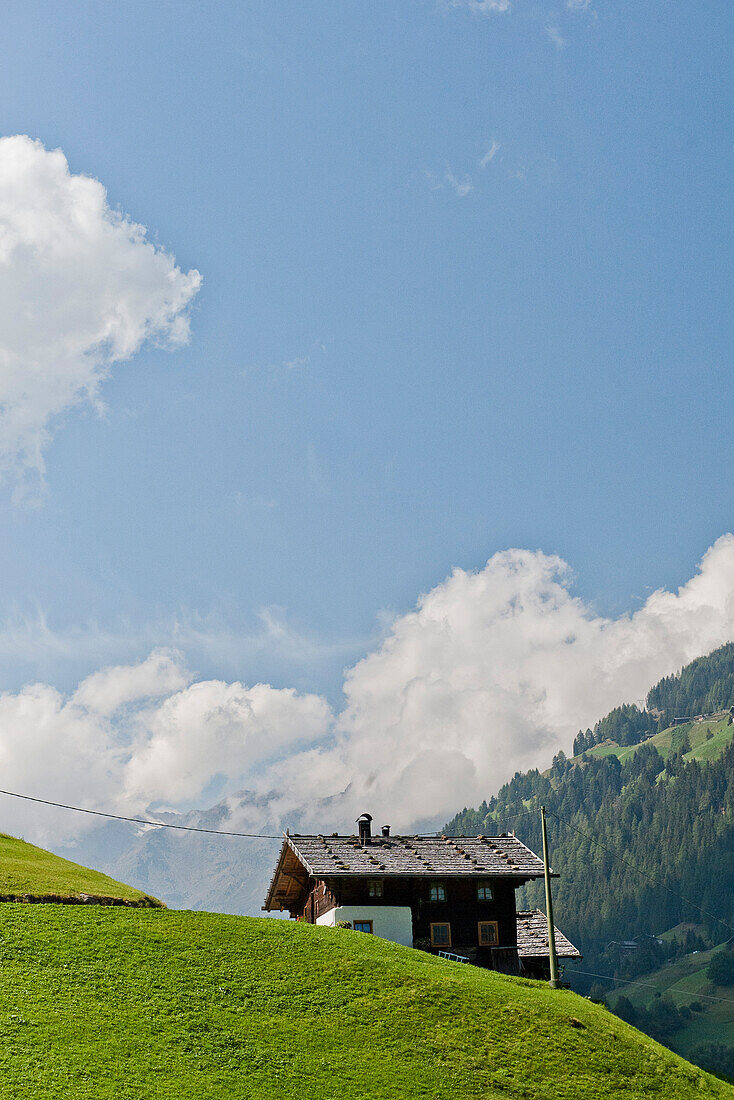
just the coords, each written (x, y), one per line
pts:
(641, 826)
(630, 841)
(688, 1004)
(703, 687)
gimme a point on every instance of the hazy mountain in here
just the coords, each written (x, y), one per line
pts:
(185, 870)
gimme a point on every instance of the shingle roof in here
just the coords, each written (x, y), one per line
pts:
(532, 937)
(406, 856)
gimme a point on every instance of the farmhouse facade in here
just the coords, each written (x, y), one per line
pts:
(442, 894)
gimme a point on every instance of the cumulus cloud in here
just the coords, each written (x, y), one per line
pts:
(493, 671)
(106, 692)
(212, 730)
(81, 288)
(137, 735)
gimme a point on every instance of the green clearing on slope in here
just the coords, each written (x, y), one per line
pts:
(132, 1003)
(670, 740)
(28, 873)
(686, 982)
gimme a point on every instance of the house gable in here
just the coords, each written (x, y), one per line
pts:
(338, 859)
(428, 892)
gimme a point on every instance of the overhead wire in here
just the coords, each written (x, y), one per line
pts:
(651, 985)
(279, 836)
(639, 870)
(170, 825)
(142, 820)
(626, 861)
(274, 836)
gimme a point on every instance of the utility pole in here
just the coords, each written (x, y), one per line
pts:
(554, 982)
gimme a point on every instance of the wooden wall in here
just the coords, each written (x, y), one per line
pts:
(461, 909)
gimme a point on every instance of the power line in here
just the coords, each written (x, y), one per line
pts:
(502, 818)
(182, 828)
(279, 836)
(142, 820)
(645, 874)
(651, 985)
(629, 863)
(524, 813)
(274, 836)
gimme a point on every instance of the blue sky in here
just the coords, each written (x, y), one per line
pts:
(466, 286)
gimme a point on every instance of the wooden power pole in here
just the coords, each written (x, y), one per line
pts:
(554, 982)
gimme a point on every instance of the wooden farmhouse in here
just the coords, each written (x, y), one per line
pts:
(442, 894)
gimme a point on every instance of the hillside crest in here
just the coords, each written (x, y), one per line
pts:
(33, 875)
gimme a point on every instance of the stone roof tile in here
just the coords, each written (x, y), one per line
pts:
(409, 856)
(532, 937)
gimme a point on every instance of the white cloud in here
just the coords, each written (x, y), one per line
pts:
(213, 729)
(491, 153)
(556, 37)
(461, 187)
(81, 288)
(318, 348)
(493, 671)
(139, 734)
(31, 648)
(461, 184)
(481, 7)
(105, 692)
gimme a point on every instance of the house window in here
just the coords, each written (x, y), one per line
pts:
(374, 888)
(363, 926)
(440, 935)
(488, 933)
(436, 892)
(485, 891)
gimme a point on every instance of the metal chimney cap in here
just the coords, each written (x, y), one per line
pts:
(364, 822)
(386, 830)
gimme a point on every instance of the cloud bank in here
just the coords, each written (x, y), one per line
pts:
(493, 671)
(81, 288)
(135, 736)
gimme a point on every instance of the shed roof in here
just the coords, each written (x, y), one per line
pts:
(532, 937)
(343, 857)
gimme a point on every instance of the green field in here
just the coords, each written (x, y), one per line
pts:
(141, 1004)
(671, 739)
(29, 873)
(685, 980)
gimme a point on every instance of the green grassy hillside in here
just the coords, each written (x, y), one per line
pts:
(670, 740)
(132, 1003)
(28, 873)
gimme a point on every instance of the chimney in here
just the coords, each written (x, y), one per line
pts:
(365, 830)
(386, 830)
